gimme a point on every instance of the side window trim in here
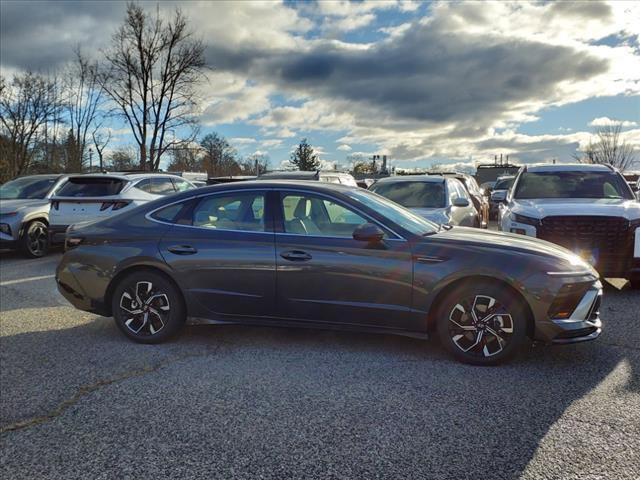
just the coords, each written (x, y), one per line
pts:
(196, 199)
(279, 214)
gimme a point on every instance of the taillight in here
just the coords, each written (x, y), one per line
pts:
(120, 204)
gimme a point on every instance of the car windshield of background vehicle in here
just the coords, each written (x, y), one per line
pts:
(572, 185)
(92, 187)
(413, 194)
(504, 184)
(394, 212)
(26, 188)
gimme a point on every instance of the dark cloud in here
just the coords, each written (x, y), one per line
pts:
(429, 75)
(40, 35)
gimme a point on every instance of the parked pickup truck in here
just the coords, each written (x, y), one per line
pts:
(589, 209)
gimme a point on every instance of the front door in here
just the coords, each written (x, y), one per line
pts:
(223, 255)
(324, 275)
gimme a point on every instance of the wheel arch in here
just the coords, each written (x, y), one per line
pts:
(108, 297)
(444, 290)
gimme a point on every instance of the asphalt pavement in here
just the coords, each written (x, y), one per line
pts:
(78, 400)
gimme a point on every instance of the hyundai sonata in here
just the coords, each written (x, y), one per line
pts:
(322, 255)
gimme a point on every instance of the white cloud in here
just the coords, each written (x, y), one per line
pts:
(344, 148)
(604, 121)
(242, 140)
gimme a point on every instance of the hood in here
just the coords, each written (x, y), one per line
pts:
(436, 215)
(607, 207)
(513, 242)
(7, 206)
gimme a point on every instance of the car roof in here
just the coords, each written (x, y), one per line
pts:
(42, 175)
(569, 167)
(414, 178)
(125, 176)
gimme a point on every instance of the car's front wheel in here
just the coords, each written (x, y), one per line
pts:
(148, 307)
(34, 242)
(481, 324)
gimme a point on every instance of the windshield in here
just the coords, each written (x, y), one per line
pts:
(413, 194)
(504, 184)
(27, 188)
(394, 212)
(572, 185)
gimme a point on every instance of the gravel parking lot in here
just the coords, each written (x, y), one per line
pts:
(78, 400)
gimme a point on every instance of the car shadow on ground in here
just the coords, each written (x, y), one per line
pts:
(393, 399)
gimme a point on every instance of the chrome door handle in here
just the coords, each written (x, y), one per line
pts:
(296, 256)
(182, 249)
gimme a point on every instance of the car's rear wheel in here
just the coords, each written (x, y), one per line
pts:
(34, 242)
(481, 324)
(148, 307)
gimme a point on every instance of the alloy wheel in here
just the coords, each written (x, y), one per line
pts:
(37, 239)
(480, 326)
(145, 308)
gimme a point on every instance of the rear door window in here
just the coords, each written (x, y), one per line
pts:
(162, 186)
(234, 211)
(91, 187)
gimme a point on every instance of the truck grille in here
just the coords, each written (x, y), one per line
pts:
(609, 239)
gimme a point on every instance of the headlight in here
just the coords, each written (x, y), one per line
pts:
(523, 219)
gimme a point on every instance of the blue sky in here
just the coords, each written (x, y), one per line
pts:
(423, 82)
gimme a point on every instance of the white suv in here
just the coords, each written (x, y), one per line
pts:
(588, 209)
(95, 196)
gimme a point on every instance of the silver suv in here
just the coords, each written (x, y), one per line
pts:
(24, 213)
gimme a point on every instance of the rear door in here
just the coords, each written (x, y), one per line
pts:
(223, 254)
(324, 275)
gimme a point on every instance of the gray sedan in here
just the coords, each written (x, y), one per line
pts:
(320, 255)
(442, 200)
(24, 213)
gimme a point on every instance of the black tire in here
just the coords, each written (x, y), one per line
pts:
(492, 339)
(34, 241)
(148, 307)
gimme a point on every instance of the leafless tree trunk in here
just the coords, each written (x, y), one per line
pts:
(100, 142)
(152, 68)
(83, 98)
(609, 148)
(26, 105)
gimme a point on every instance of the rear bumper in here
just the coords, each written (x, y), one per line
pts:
(57, 233)
(71, 289)
(583, 325)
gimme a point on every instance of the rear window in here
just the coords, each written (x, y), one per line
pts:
(91, 187)
(504, 184)
(413, 194)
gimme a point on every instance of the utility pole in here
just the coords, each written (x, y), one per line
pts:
(90, 159)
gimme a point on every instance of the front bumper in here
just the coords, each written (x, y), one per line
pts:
(584, 323)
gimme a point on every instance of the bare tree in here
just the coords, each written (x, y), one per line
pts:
(83, 98)
(186, 158)
(153, 66)
(122, 159)
(609, 148)
(304, 157)
(100, 142)
(26, 105)
(255, 164)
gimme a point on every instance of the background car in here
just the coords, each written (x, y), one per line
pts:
(91, 197)
(322, 255)
(439, 199)
(320, 175)
(477, 195)
(24, 213)
(498, 194)
(588, 209)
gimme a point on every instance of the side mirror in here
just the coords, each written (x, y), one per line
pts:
(499, 197)
(368, 232)
(461, 202)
